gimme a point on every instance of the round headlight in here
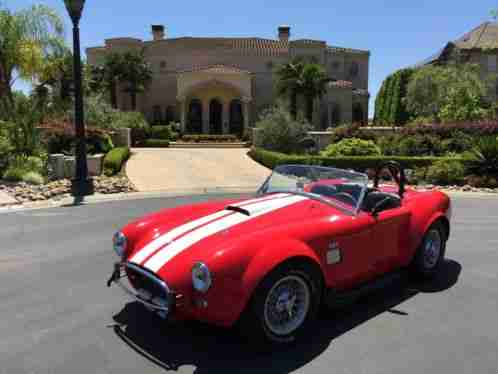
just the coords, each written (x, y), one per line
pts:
(119, 243)
(201, 277)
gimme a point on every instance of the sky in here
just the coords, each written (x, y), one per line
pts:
(397, 33)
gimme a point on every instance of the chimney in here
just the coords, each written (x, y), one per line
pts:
(284, 33)
(158, 32)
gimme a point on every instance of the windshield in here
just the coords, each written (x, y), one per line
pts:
(343, 189)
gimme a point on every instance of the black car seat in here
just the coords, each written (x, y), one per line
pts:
(374, 196)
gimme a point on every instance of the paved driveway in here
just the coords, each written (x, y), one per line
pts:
(195, 169)
(57, 315)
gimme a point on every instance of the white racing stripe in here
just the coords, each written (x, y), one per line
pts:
(167, 253)
(154, 245)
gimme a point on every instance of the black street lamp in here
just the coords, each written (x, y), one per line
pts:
(81, 185)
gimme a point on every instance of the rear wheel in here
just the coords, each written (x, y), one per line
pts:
(430, 254)
(283, 305)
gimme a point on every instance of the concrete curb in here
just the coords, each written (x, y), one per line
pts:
(102, 198)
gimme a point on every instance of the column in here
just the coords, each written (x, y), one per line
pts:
(225, 126)
(205, 117)
(245, 104)
(329, 114)
(183, 115)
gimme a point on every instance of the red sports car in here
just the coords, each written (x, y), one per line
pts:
(312, 235)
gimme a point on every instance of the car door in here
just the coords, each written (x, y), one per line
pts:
(346, 257)
(389, 236)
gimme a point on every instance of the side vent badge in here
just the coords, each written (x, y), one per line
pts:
(334, 253)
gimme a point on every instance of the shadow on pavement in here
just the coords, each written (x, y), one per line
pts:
(215, 350)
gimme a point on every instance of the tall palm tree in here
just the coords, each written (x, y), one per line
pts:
(26, 37)
(136, 73)
(314, 82)
(289, 82)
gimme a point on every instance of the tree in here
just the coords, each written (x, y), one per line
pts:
(447, 93)
(289, 82)
(136, 74)
(313, 86)
(26, 38)
(299, 77)
(107, 75)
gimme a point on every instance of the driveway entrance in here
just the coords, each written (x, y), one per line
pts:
(185, 170)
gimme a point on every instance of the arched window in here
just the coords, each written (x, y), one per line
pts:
(236, 118)
(335, 116)
(358, 116)
(194, 117)
(156, 114)
(170, 114)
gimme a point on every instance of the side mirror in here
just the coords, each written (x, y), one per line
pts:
(380, 206)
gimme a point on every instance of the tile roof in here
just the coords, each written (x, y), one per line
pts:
(215, 68)
(483, 36)
(262, 46)
(334, 49)
(341, 84)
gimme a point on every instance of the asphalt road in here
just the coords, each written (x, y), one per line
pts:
(57, 315)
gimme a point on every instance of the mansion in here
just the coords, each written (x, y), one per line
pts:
(220, 85)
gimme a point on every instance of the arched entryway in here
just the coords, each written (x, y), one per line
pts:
(358, 116)
(236, 118)
(215, 116)
(195, 117)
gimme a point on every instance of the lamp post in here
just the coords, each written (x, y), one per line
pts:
(81, 185)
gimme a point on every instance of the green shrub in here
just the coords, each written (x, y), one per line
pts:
(114, 160)
(131, 120)
(277, 131)
(14, 174)
(160, 132)
(360, 163)
(483, 157)
(445, 172)
(458, 143)
(32, 177)
(419, 145)
(352, 147)
(156, 143)
(98, 143)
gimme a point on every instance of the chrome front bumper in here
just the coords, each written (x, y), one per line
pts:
(161, 304)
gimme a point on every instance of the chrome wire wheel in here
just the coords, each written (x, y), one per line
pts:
(287, 305)
(432, 249)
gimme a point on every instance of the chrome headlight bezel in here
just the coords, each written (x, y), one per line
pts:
(201, 277)
(119, 243)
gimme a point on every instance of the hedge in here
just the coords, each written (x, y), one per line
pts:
(155, 143)
(359, 163)
(114, 160)
(209, 138)
(160, 132)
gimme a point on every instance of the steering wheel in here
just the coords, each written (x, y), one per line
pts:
(397, 173)
(347, 196)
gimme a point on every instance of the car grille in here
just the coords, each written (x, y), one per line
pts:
(143, 279)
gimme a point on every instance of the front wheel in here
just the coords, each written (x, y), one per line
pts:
(283, 305)
(430, 254)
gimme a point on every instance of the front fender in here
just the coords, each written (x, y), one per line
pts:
(272, 255)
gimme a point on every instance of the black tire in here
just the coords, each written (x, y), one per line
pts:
(253, 322)
(421, 266)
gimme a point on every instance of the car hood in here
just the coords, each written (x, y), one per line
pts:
(174, 241)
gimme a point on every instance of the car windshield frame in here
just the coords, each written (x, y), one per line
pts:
(307, 174)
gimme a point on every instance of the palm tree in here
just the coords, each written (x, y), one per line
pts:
(301, 78)
(107, 76)
(314, 81)
(289, 82)
(27, 37)
(136, 73)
